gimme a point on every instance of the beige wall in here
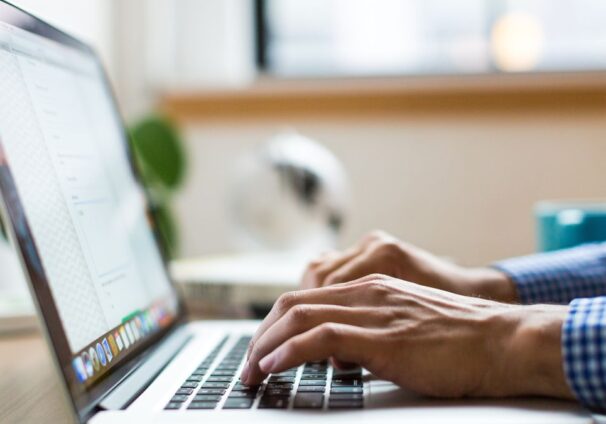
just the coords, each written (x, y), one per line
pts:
(459, 185)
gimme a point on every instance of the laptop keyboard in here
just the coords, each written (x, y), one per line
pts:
(315, 385)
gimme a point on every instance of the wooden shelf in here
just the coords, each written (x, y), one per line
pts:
(329, 98)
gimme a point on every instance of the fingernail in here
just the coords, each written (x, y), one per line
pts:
(266, 364)
(245, 372)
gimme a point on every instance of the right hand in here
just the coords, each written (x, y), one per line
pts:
(426, 340)
(379, 252)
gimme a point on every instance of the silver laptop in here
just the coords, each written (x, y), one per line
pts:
(114, 321)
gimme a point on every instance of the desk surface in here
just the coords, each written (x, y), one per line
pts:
(29, 389)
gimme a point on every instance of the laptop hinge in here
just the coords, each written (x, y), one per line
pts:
(125, 392)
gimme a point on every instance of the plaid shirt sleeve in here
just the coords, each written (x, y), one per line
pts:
(560, 276)
(577, 276)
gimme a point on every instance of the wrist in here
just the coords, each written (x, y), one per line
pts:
(530, 357)
(490, 283)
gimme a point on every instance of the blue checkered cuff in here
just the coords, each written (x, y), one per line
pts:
(559, 277)
(584, 351)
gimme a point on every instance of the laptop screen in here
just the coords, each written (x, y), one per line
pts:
(78, 211)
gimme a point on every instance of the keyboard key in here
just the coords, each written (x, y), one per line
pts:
(279, 386)
(207, 398)
(204, 391)
(346, 396)
(309, 400)
(202, 405)
(277, 392)
(184, 391)
(312, 383)
(240, 394)
(179, 398)
(352, 373)
(229, 368)
(189, 385)
(314, 370)
(281, 379)
(223, 374)
(311, 389)
(238, 403)
(195, 378)
(219, 379)
(346, 390)
(240, 386)
(344, 382)
(273, 403)
(345, 404)
(288, 373)
(313, 376)
(173, 405)
(215, 385)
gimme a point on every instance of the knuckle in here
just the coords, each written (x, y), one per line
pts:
(378, 287)
(377, 279)
(329, 331)
(314, 264)
(376, 235)
(334, 279)
(286, 301)
(299, 313)
(386, 248)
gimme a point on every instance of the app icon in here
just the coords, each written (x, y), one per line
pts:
(78, 366)
(108, 350)
(118, 340)
(129, 331)
(150, 321)
(139, 325)
(95, 358)
(101, 354)
(88, 365)
(125, 338)
(112, 344)
(135, 331)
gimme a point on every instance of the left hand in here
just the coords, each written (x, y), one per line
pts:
(427, 340)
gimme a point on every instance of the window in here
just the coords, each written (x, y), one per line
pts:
(306, 38)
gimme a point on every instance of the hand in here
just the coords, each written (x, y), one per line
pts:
(381, 253)
(430, 341)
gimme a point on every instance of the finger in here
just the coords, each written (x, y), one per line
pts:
(317, 271)
(329, 295)
(300, 319)
(335, 295)
(345, 343)
(358, 267)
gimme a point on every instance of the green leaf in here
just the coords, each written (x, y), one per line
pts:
(159, 150)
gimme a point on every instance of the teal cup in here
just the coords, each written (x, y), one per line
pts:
(561, 225)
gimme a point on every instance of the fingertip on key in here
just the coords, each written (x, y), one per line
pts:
(245, 373)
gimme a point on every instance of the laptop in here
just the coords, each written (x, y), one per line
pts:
(115, 323)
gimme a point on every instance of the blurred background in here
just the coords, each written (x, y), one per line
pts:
(450, 119)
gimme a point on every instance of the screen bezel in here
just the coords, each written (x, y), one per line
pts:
(84, 400)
